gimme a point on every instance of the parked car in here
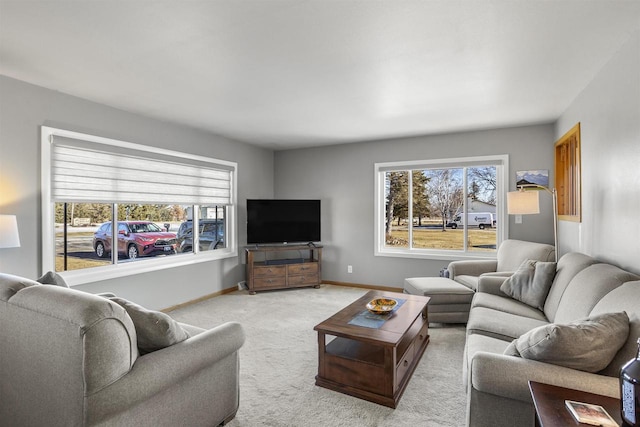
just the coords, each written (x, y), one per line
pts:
(135, 238)
(211, 235)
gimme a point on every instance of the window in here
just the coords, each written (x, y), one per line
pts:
(447, 209)
(567, 157)
(97, 191)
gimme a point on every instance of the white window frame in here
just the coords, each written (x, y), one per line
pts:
(502, 230)
(88, 275)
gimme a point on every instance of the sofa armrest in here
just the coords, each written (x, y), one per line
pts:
(490, 283)
(471, 267)
(516, 372)
(161, 369)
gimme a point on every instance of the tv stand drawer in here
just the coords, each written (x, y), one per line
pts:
(304, 268)
(270, 271)
(269, 282)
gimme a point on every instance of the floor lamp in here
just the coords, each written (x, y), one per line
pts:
(523, 202)
(9, 237)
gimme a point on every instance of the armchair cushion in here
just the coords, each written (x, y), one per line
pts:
(586, 345)
(531, 282)
(155, 330)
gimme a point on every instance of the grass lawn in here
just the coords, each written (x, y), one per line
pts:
(74, 263)
(435, 238)
(82, 254)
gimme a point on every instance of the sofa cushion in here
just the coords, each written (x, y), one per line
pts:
(587, 345)
(568, 266)
(52, 278)
(531, 282)
(623, 298)
(512, 252)
(476, 343)
(155, 330)
(587, 288)
(507, 305)
(470, 282)
(500, 325)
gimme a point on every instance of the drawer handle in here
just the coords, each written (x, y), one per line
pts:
(421, 337)
(406, 363)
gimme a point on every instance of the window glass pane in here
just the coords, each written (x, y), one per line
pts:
(444, 196)
(212, 228)
(142, 231)
(75, 247)
(396, 209)
(482, 208)
(212, 232)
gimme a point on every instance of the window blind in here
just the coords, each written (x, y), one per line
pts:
(86, 171)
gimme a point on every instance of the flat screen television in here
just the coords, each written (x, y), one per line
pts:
(283, 221)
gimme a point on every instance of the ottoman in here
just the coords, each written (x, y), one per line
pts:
(450, 301)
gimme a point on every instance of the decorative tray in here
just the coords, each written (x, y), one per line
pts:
(381, 305)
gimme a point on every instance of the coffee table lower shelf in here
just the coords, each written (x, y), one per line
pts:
(374, 372)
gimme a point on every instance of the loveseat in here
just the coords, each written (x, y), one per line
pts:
(497, 383)
(69, 358)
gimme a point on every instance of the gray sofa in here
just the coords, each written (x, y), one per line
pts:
(474, 273)
(69, 358)
(497, 384)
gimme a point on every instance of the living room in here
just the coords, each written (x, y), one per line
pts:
(606, 103)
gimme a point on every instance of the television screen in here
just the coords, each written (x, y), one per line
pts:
(283, 221)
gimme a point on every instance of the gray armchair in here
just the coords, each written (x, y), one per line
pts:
(511, 254)
(69, 358)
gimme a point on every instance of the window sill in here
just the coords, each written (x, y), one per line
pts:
(435, 255)
(81, 277)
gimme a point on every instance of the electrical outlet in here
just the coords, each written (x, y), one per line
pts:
(349, 269)
(518, 219)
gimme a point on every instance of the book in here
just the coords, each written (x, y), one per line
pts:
(587, 413)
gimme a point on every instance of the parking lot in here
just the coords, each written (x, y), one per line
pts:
(80, 251)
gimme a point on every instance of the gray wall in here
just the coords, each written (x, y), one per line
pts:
(24, 108)
(342, 177)
(608, 110)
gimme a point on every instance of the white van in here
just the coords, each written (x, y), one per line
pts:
(479, 219)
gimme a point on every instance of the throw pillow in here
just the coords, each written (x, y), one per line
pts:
(155, 330)
(52, 278)
(587, 344)
(531, 282)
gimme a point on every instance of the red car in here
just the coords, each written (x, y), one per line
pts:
(135, 238)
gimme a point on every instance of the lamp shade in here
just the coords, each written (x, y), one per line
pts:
(9, 237)
(523, 202)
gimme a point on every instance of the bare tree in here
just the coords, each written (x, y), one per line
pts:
(445, 192)
(483, 183)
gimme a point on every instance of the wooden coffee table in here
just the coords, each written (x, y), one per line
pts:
(369, 362)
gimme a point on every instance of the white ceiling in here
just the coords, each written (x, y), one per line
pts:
(298, 73)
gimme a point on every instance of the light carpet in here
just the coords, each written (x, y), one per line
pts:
(279, 362)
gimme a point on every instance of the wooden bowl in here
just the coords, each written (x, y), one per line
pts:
(381, 305)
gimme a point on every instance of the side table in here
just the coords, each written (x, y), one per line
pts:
(551, 411)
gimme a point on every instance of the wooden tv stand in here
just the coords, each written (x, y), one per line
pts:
(274, 271)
